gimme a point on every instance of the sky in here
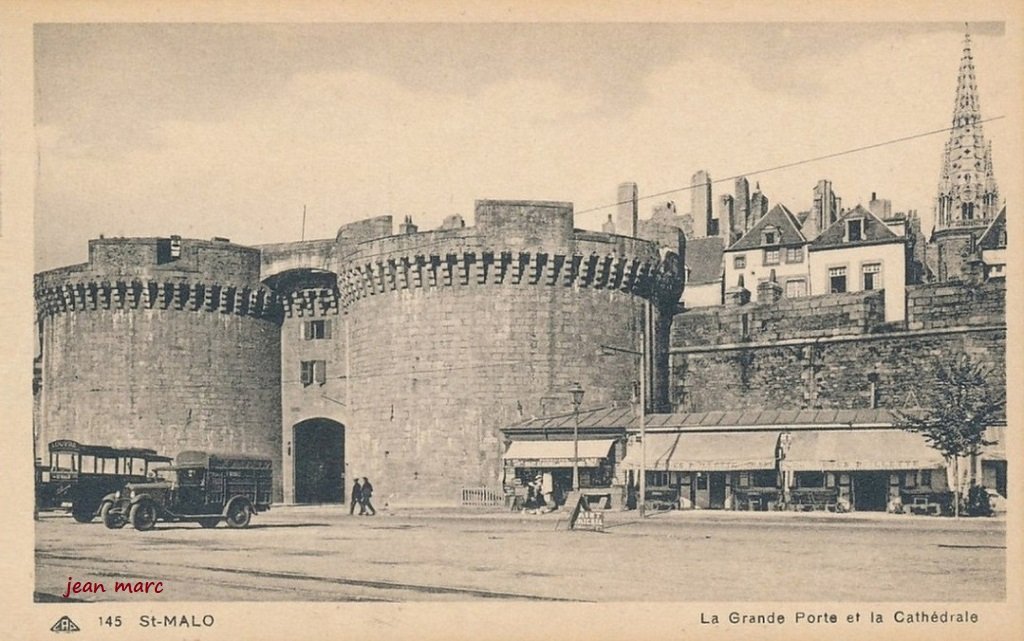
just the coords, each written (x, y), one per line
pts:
(231, 130)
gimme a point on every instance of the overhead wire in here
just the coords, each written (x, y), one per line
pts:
(795, 163)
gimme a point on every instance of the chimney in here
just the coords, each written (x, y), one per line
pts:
(407, 227)
(627, 209)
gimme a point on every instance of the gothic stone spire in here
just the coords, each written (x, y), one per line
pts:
(968, 196)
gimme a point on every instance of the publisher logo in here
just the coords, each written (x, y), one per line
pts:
(65, 624)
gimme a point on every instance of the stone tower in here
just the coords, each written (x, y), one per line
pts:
(968, 198)
(741, 205)
(825, 209)
(758, 205)
(701, 203)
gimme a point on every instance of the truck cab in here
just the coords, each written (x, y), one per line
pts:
(200, 487)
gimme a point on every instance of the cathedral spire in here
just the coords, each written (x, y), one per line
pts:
(968, 195)
(966, 110)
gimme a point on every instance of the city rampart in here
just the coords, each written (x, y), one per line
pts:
(160, 344)
(442, 337)
(835, 351)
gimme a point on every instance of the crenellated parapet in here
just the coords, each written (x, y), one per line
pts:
(92, 295)
(640, 277)
(310, 302)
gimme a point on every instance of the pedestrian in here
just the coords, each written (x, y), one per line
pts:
(364, 498)
(357, 498)
(548, 490)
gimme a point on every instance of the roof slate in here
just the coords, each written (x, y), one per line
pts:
(780, 217)
(874, 231)
(627, 418)
(704, 259)
(993, 237)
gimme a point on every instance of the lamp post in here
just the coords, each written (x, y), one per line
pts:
(577, 399)
(642, 353)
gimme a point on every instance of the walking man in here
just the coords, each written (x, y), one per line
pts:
(357, 498)
(365, 492)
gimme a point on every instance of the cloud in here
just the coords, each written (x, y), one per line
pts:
(354, 143)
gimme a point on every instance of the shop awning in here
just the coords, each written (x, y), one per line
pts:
(557, 453)
(707, 452)
(829, 450)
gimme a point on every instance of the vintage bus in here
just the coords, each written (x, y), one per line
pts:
(81, 475)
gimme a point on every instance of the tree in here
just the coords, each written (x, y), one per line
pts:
(964, 405)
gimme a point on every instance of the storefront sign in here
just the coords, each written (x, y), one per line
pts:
(590, 521)
(582, 517)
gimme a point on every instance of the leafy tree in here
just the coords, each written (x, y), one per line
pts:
(963, 406)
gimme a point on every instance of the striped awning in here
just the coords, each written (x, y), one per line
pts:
(557, 453)
(706, 451)
(830, 450)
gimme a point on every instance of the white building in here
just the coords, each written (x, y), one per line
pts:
(859, 252)
(774, 243)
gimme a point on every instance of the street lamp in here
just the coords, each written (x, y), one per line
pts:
(577, 399)
(642, 354)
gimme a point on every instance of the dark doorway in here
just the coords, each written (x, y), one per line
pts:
(319, 461)
(716, 488)
(993, 476)
(871, 491)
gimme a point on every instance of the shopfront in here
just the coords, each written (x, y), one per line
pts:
(525, 460)
(993, 461)
(864, 470)
(726, 470)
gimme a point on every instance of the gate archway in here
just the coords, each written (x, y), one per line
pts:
(319, 461)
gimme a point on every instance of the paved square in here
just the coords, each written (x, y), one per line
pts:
(323, 554)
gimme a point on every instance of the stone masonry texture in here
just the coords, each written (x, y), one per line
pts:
(825, 352)
(178, 355)
(440, 338)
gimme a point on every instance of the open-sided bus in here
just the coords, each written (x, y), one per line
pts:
(83, 474)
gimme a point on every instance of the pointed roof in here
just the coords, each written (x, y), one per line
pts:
(704, 260)
(966, 109)
(779, 217)
(874, 232)
(968, 192)
(995, 235)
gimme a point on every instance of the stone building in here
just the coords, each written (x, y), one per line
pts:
(968, 197)
(860, 252)
(392, 356)
(165, 343)
(772, 255)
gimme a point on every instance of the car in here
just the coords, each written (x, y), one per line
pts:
(200, 487)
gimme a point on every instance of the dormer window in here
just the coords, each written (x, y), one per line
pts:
(855, 229)
(771, 237)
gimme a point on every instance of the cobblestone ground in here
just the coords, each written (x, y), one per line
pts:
(323, 554)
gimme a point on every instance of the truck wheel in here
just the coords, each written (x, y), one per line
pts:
(82, 514)
(143, 515)
(210, 522)
(239, 514)
(115, 520)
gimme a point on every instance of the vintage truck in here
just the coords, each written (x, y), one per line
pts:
(200, 487)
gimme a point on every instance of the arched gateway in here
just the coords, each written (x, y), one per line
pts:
(319, 461)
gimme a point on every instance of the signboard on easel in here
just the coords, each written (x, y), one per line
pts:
(582, 517)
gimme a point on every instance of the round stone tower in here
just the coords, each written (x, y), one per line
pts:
(440, 338)
(165, 343)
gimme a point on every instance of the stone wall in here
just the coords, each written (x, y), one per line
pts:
(454, 334)
(170, 356)
(834, 351)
